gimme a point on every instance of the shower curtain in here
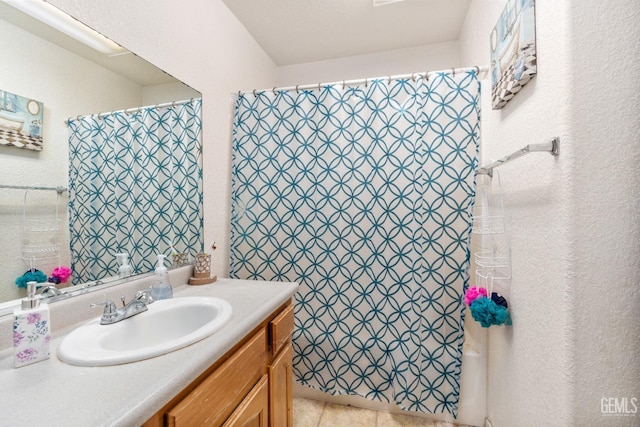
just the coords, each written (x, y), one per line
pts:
(363, 196)
(135, 186)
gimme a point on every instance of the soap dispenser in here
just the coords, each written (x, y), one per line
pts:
(125, 270)
(31, 329)
(161, 288)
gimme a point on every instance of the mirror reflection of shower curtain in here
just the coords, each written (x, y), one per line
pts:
(363, 196)
(135, 186)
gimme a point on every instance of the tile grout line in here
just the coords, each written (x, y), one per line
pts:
(324, 405)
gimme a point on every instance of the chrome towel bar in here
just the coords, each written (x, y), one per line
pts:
(551, 147)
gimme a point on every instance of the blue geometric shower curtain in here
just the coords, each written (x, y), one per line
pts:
(363, 196)
(135, 186)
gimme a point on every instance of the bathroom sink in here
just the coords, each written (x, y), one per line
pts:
(166, 326)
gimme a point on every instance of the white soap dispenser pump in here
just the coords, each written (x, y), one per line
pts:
(125, 270)
(161, 288)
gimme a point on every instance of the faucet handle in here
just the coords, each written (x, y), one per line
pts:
(144, 295)
(110, 310)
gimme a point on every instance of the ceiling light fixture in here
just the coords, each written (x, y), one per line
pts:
(51, 15)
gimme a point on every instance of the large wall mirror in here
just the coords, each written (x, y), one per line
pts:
(67, 79)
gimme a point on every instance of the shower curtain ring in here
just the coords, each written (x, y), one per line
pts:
(343, 85)
(274, 90)
(254, 93)
(426, 75)
(319, 86)
(477, 70)
(453, 71)
(297, 91)
(388, 80)
(413, 77)
(366, 83)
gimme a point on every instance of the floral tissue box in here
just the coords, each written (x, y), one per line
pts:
(31, 335)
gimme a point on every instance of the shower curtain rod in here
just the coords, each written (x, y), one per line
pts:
(551, 147)
(344, 83)
(59, 190)
(136, 109)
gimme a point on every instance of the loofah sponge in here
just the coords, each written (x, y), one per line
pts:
(61, 273)
(473, 293)
(487, 312)
(31, 276)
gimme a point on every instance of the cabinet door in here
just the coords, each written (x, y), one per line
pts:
(254, 409)
(214, 400)
(280, 389)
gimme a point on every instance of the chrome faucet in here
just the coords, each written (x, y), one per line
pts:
(137, 305)
(50, 290)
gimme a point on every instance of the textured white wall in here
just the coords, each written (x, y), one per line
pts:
(573, 221)
(401, 61)
(201, 43)
(605, 209)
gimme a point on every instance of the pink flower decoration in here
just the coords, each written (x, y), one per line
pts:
(27, 354)
(473, 293)
(17, 338)
(33, 318)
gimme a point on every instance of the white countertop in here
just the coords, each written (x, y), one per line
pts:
(52, 393)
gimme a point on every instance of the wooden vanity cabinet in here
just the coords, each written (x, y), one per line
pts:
(250, 386)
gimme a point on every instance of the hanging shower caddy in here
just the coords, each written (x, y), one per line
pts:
(492, 255)
(41, 240)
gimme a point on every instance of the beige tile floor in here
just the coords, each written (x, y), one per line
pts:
(312, 413)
